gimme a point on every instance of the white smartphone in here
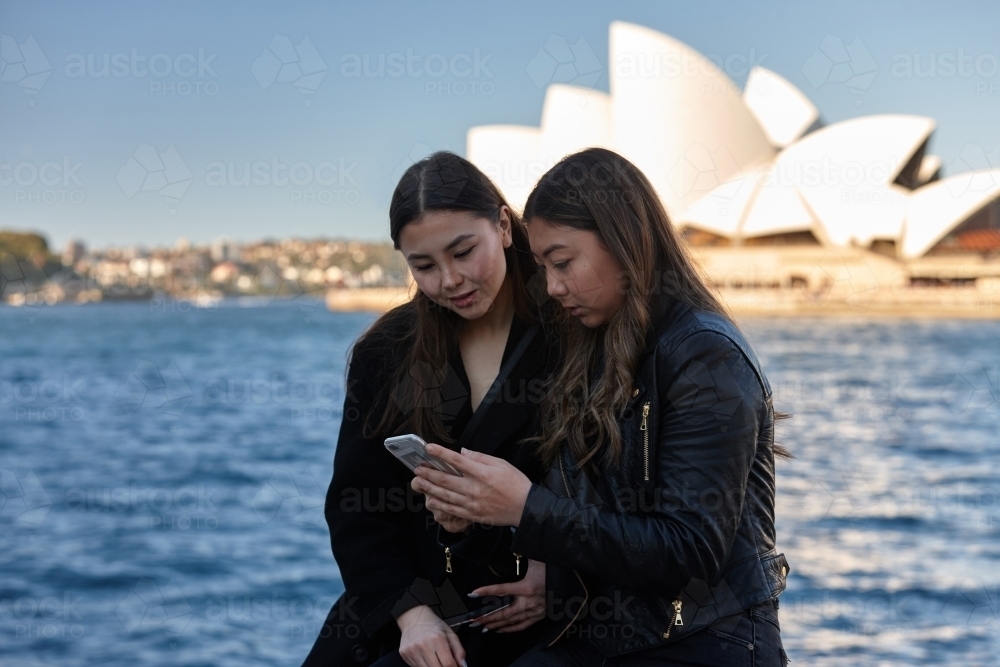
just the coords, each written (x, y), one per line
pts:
(411, 450)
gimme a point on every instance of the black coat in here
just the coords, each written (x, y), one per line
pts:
(684, 524)
(384, 540)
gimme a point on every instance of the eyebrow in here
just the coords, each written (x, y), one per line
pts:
(458, 239)
(554, 246)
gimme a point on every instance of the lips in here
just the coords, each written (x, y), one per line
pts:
(463, 300)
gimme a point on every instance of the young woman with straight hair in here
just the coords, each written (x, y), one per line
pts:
(656, 517)
(462, 364)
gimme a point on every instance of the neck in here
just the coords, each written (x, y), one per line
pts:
(498, 318)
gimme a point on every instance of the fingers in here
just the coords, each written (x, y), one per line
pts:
(438, 479)
(499, 590)
(531, 608)
(455, 510)
(525, 608)
(465, 464)
(479, 457)
(498, 619)
(437, 492)
(435, 651)
(457, 650)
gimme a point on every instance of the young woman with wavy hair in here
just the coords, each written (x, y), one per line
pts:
(463, 363)
(656, 517)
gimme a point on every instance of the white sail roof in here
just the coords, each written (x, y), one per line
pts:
(782, 110)
(845, 170)
(510, 155)
(709, 151)
(669, 101)
(722, 210)
(574, 118)
(778, 208)
(929, 166)
(937, 208)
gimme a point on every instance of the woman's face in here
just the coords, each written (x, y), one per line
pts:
(457, 258)
(580, 273)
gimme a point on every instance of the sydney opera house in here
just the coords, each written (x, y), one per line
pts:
(768, 196)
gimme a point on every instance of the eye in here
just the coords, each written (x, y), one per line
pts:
(425, 267)
(561, 265)
(464, 253)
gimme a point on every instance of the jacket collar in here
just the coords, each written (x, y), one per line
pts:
(664, 311)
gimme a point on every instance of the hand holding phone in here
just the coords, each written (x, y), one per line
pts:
(490, 605)
(410, 449)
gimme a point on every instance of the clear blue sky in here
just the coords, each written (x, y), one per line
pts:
(357, 130)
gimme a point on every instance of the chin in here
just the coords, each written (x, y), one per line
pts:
(592, 320)
(473, 312)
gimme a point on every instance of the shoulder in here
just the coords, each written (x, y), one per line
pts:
(710, 340)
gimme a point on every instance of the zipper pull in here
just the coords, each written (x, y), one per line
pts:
(517, 564)
(447, 559)
(645, 417)
(677, 618)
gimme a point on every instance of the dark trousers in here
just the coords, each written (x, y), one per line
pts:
(751, 639)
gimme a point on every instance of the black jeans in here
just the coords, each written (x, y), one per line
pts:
(750, 639)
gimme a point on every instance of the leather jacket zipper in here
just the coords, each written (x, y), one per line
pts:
(517, 564)
(645, 441)
(447, 559)
(586, 593)
(675, 619)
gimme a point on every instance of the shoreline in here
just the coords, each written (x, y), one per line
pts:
(959, 303)
(923, 303)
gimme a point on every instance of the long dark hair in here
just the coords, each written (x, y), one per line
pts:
(600, 191)
(413, 398)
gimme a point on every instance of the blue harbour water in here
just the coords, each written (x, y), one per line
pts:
(163, 472)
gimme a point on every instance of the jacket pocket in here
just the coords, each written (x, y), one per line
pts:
(776, 571)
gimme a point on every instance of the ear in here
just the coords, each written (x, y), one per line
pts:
(505, 227)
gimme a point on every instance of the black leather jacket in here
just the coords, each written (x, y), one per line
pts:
(680, 533)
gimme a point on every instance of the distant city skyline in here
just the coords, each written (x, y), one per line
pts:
(136, 125)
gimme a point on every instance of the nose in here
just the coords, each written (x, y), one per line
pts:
(555, 287)
(450, 278)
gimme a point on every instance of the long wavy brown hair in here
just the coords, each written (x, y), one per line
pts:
(413, 399)
(600, 191)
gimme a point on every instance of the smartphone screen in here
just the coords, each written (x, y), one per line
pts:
(410, 450)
